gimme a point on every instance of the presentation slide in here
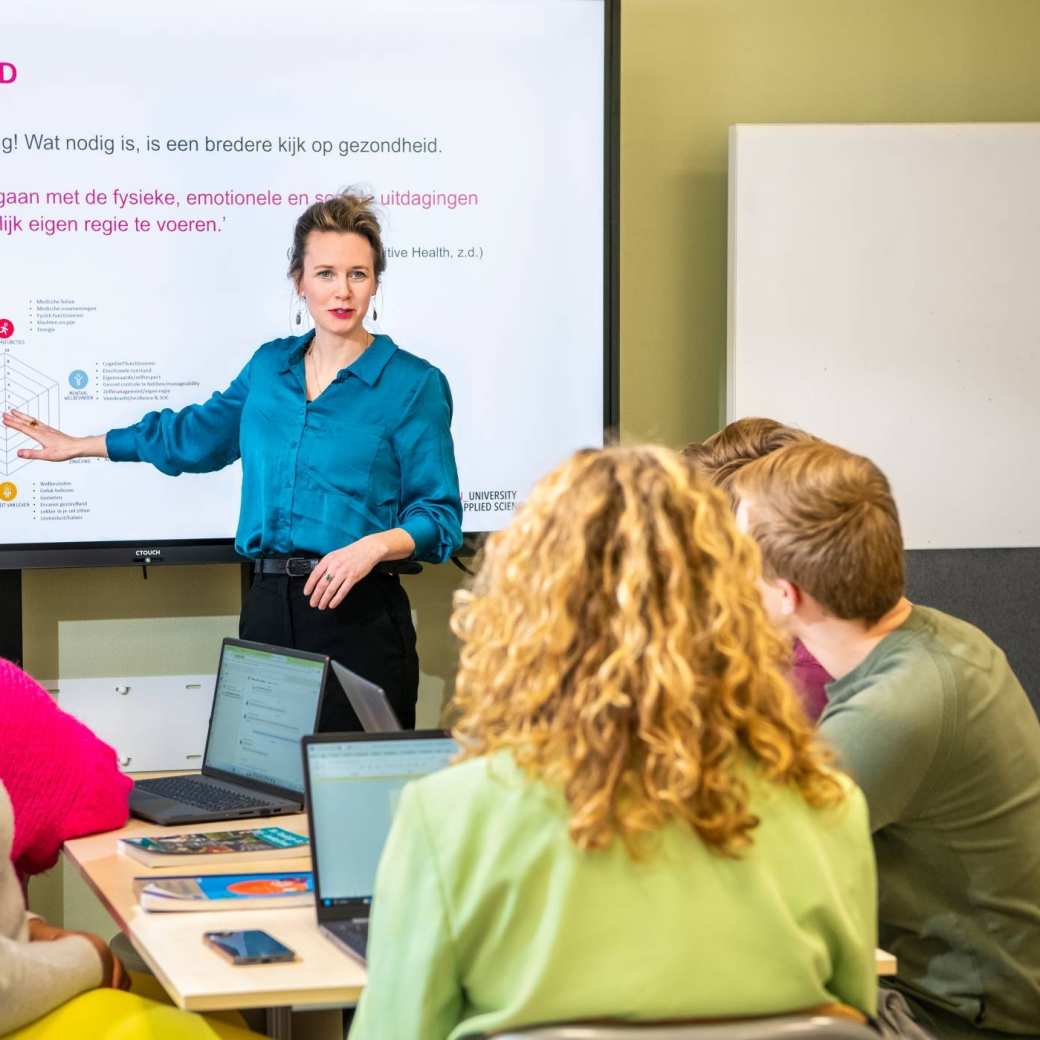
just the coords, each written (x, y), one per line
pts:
(153, 162)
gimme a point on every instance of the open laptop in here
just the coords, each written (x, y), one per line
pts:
(354, 782)
(369, 702)
(266, 698)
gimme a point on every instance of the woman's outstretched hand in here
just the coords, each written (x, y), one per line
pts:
(54, 446)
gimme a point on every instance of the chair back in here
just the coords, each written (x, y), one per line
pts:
(785, 1027)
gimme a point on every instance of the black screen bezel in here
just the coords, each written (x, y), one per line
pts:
(31, 555)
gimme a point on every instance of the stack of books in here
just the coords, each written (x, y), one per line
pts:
(221, 891)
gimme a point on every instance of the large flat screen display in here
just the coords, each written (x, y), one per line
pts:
(153, 161)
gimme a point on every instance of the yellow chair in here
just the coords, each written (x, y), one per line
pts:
(108, 1014)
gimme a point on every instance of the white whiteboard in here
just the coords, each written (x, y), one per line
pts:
(884, 293)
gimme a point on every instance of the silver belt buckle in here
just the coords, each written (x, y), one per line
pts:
(298, 566)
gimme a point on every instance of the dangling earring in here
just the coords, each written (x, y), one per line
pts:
(375, 314)
(298, 319)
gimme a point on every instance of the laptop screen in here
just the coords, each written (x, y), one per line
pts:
(368, 701)
(264, 703)
(354, 789)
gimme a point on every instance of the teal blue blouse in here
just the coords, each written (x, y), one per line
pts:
(373, 452)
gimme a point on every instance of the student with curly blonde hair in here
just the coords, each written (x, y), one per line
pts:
(641, 825)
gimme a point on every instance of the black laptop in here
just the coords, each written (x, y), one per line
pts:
(265, 700)
(354, 781)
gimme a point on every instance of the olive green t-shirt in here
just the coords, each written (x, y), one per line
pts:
(939, 734)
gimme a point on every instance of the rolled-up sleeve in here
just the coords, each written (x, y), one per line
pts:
(431, 510)
(197, 439)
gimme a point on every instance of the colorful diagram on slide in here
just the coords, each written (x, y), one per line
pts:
(27, 390)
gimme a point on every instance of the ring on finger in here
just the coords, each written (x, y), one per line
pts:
(328, 576)
(34, 422)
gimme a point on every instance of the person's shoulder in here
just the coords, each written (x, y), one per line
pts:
(32, 711)
(483, 787)
(898, 703)
(16, 684)
(932, 658)
(276, 353)
(405, 361)
(468, 777)
(769, 797)
(837, 832)
(403, 364)
(283, 344)
(956, 640)
(844, 827)
(904, 699)
(903, 675)
(413, 379)
(853, 807)
(850, 816)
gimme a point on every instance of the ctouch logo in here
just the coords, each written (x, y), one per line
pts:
(8, 73)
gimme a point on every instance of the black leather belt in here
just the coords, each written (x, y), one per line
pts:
(301, 566)
(294, 566)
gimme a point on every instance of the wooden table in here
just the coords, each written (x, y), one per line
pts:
(197, 978)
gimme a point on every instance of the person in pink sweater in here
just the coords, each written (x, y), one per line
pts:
(810, 680)
(719, 458)
(62, 780)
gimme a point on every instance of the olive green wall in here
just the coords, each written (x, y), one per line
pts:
(52, 596)
(690, 68)
(208, 593)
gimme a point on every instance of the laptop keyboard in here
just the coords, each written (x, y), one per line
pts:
(191, 792)
(353, 934)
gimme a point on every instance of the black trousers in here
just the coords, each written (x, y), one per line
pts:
(370, 632)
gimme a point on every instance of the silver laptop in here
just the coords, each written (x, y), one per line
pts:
(354, 782)
(369, 702)
(266, 699)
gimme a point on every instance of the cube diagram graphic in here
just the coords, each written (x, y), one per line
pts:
(33, 393)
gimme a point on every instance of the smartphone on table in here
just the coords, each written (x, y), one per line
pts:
(252, 946)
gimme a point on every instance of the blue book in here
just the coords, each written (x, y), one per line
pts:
(226, 891)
